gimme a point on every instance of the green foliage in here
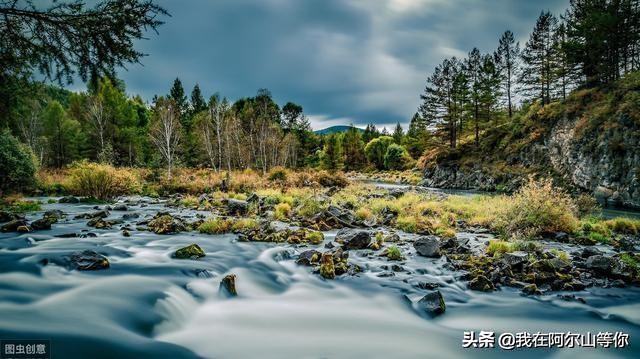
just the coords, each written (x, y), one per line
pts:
(396, 157)
(497, 248)
(17, 165)
(332, 153)
(278, 174)
(394, 253)
(376, 149)
(19, 206)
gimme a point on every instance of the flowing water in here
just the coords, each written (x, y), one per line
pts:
(150, 305)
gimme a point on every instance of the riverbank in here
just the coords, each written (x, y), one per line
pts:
(336, 283)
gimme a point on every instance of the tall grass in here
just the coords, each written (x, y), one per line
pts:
(101, 181)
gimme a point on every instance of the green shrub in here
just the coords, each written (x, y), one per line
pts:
(538, 207)
(376, 150)
(623, 225)
(314, 237)
(394, 253)
(278, 174)
(282, 211)
(17, 165)
(101, 181)
(497, 248)
(396, 157)
(335, 179)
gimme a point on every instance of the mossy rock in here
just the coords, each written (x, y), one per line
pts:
(190, 251)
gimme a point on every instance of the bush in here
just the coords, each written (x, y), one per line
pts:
(101, 181)
(282, 211)
(215, 226)
(394, 253)
(538, 207)
(623, 225)
(278, 174)
(396, 157)
(498, 248)
(586, 205)
(376, 149)
(326, 179)
(17, 165)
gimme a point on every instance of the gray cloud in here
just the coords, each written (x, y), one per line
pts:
(356, 61)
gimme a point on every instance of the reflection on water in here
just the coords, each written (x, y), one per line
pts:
(151, 305)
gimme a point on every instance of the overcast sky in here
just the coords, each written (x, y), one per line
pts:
(344, 61)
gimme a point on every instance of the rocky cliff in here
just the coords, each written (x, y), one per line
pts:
(589, 143)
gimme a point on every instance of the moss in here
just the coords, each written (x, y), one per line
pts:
(314, 237)
(190, 251)
(327, 269)
(19, 205)
(215, 226)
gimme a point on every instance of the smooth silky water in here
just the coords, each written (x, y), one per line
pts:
(151, 305)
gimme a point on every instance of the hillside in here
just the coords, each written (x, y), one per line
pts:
(590, 143)
(335, 129)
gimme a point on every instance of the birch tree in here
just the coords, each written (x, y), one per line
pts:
(165, 131)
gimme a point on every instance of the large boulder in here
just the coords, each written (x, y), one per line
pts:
(89, 260)
(7, 216)
(481, 283)
(428, 246)
(308, 258)
(164, 223)
(42, 223)
(432, 303)
(12, 226)
(353, 238)
(69, 199)
(599, 263)
(237, 207)
(515, 259)
(192, 251)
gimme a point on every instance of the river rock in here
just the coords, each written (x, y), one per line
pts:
(237, 207)
(42, 223)
(89, 260)
(310, 257)
(69, 199)
(7, 216)
(599, 263)
(353, 238)
(164, 223)
(327, 269)
(531, 289)
(228, 285)
(12, 226)
(515, 259)
(120, 207)
(432, 303)
(481, 283)
(428, 246)
(192, 251)
(54, 214)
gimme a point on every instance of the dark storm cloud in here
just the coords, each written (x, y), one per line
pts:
(344, 61)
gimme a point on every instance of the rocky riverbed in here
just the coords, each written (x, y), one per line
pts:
(134, 278)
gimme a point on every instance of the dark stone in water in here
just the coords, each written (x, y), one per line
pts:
(120, 207)
(353, 238)
(67, 235)
(228, 285)
(531, 289)
(327, 268)
(7, 216)
(310, 257)
(432, 303)
(54, 214)
(590, 251)
(12, 226)
(428, 246)
(427, 285)
(481, 283)
(69, 199)
(42, 223)
(190, 251)
(166, 224)
(89, 260)
(129, 216)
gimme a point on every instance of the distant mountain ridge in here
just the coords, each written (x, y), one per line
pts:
(335, 129)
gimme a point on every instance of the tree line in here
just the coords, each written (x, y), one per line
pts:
(593, 43)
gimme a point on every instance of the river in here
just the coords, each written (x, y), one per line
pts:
(150, 305)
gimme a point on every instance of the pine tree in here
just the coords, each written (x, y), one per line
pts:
(489, 90)
(198, 103)
(507, 57)
(538, 72)
(398, 134)
(473, 68)
(353, 149)
(177, 95)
